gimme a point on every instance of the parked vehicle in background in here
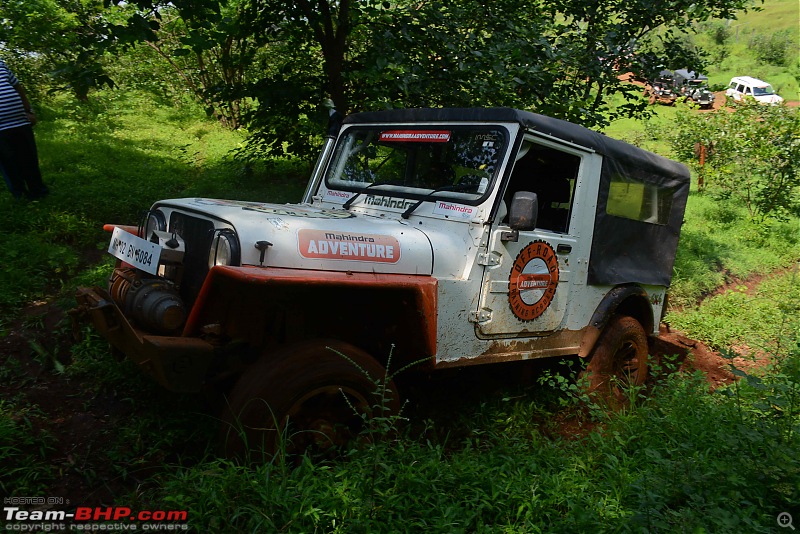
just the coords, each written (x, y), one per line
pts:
(661, 89)
(453, 237)
(744, 86)
(694, 86)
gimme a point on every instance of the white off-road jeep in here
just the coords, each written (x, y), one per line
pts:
(457, 236)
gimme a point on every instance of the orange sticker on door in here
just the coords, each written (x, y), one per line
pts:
(533, 280)
(324, 245)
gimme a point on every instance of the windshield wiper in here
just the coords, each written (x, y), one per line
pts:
(352, 199)
(458, 187)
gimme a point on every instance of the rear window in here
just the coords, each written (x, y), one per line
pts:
(638, 201)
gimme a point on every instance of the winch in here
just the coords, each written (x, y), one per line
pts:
(154, 303)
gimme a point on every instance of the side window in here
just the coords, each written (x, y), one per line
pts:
(740, 88)
(551, 174)
(733, 85)
(639, 201)
(748, 91)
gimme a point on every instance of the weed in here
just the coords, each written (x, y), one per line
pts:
(47, 359)
(24, 469)
(572, 386)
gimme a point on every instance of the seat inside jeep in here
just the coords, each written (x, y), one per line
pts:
(551, 174)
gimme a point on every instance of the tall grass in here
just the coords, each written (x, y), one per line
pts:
(683, 460)
(679, 459)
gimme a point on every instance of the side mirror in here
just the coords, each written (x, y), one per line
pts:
(524, 211)
(522, 215)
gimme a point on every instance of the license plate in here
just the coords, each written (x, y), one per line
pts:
(135, 251)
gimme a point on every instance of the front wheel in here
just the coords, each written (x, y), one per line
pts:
(618, 361)
(313, 396)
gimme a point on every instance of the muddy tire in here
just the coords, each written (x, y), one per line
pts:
(305, 398)
(618, 361)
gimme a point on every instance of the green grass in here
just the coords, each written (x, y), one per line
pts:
(648, 134)
(736, 57)
(24, 448)
(719, 244)
(775, 15)
(763, 319)
(123, 152)
(107, 161)
(683, 460)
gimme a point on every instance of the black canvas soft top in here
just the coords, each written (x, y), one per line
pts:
(684, 74)
(620, 151)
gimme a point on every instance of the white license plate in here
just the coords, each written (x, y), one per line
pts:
(135, 251)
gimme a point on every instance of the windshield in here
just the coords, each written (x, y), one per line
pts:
(452, 161)
(763, 91)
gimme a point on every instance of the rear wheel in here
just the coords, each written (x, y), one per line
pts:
(306, 397)
(619, 360)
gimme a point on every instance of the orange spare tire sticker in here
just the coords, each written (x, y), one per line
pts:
(533, 280)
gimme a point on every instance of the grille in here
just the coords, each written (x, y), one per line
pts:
(197, 234)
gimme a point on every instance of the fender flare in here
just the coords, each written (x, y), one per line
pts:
(418, 292)
(632, 298)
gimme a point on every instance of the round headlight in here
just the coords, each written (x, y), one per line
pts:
(224, 249)
(155, 221)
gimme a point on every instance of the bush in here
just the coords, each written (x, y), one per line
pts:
(752, 156)
(775, 49)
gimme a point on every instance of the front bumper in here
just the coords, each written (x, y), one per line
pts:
(177, 363)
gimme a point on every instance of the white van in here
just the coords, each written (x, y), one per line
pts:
(742, 86)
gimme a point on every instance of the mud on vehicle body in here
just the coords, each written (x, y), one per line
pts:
(457, 236)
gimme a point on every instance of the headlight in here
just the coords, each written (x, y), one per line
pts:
(154, 220)
(224, 249)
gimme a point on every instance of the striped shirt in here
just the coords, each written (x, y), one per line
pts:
(12, 111)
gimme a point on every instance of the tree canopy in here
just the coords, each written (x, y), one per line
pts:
(270, 64)
(66, 34)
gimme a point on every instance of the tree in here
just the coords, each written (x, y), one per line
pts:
(752, 156)
(316, 55)
(63, 34)
(210, 54)
(561, 58)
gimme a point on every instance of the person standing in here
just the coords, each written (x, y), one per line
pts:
(18, 155)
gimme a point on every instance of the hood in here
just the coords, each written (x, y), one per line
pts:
(306, 237)
(769, 99)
